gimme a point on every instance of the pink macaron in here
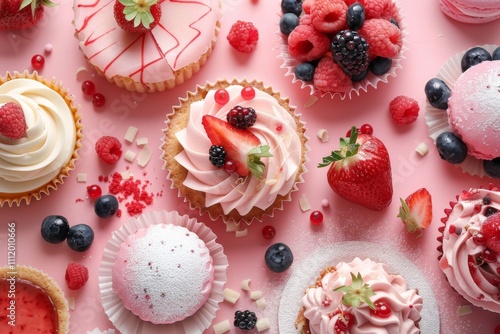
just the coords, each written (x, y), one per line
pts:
(471, 11)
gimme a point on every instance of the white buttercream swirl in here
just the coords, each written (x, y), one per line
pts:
(228, 189)
(467, 217)
(35, 159)
(323, 306)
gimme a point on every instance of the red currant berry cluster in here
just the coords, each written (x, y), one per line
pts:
(366, 129)
(94, 191)
(221, 96)
(88, 88)
(37, 61)
(316, 217)
(268, 232)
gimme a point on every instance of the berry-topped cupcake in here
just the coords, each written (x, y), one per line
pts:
(462, 110)
(147, 45)
(235, 149)
(470, 246)
(340, 47)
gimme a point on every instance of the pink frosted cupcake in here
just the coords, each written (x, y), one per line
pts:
(341, 47)
(471, 11)
(470, 248)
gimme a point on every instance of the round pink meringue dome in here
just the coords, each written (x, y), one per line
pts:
(163, 273)
(473, 109)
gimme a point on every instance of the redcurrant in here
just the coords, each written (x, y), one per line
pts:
(268, 232)
(345, 321)
(229, 166)
(248, 93)
(88, 87)
(221, 96)
(37, 61)
(98, 100)
(279, 127)
(367, 129)
(316, 217)
(382, 309)
(479, 239)
(489, 256)
(94, 191)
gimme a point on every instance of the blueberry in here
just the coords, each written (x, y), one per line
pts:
(355, 16)
(288, 22)
(360, 76)
(291, 6)
(278, 257)
(473, 57)
(437, 93)
(305, 71)
(394, 21)
(496, 54)
(80, 237)
(106, 206)
(380, 65)
(55, 229)
(492, 167)
(451, 148)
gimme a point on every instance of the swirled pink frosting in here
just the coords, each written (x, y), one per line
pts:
(475, 280)
(274, 126)
(323, 305)
(185, 32)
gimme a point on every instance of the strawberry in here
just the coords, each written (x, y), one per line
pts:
(18, 15)
(12, 121)
(416, 211)
(137, 16)
(491, 231)
(243, 148)
(361, 171)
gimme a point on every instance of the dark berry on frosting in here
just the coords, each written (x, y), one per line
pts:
(245, 320)
(451, 148)
(490, 211)
(437, 93)
(487, 200)
(217, 155)
(242, 117)
(473, 57)
(350, 51)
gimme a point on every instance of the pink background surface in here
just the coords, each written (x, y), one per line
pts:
(432, 38)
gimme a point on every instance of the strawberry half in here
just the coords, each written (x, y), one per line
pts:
(360, 171)
(18, 15)
(416, 211)
(242, 147)
(137, 16)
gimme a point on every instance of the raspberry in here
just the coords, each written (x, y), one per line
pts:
(306, 6)
(108, 149)
(376, 8)
(491, 231)
(329, 77)
(385, 39)
(328, 16)
(307, 44)
(305, 20)
(243, 36)
(404, 110)
(241, 117)
(76, 275)
(12, 121)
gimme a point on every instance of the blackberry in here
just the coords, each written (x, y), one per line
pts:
(245, 319)
(490, 211)
(241, 117)
(217, 155)
(350, 51)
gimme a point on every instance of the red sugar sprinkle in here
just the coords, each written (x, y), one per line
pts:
(79, 200)
(131, 190)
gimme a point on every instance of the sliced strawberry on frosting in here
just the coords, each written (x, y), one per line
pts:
(416, 211)
(242, 147)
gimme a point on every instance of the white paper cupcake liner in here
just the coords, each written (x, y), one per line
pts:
(437, 120)
(127, 322)
(307, 271)
(371, 80)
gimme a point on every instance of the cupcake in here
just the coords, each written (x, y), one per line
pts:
(40, 134)
(471, 11)
(359, 297)
(235, 149)
(470, 246)
(162, 272)
(153, 47)
(340, 47)
(462, 110)
(31, 300)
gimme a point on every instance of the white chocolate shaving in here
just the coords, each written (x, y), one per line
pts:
(304, 203)
(230, 295)
(323, 135)
(144, 156)
(141, 141)
(81, 177)
(129, 156)
(71, 303)
(261, 303)
(311, 101)
(422, 149)
(241, 233)
(126, 175)
(254, 295)
(79, 71)
(231, 226)
(130, 134)
(464, 310)
(222, 327)
(262, 324)
(245, 284)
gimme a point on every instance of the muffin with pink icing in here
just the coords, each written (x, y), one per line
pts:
(157, 45)
(470, 246)
(163, 273)
(359, 297)
(471, 11)
(462, 110)
(235, 149)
